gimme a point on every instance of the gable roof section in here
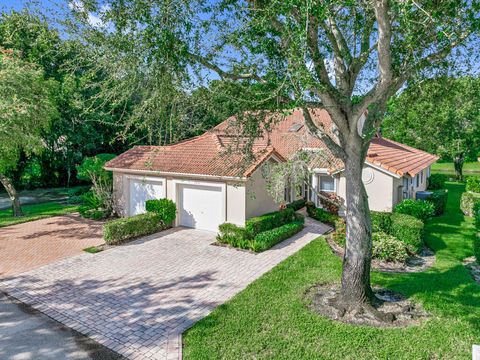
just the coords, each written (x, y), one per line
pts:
(215, 153)
(398, 158)
(202, 155)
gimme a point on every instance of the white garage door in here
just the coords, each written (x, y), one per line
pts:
(200, 206)
(142, 190)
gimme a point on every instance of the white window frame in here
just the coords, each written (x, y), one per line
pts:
(320, 183)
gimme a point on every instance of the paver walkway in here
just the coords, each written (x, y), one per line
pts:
(137, 299)
(29, 245)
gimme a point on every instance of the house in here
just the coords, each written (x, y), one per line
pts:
(212, 184)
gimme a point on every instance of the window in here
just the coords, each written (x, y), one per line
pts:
(421, 176)
(417, 180)
(287, 195)
(327, 183)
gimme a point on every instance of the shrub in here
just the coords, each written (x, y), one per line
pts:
(467, 202)
(92, 207)
(92, 167)
(418, 208)
(476, 214)
(436, 181)
(333, 205)
(269, 221)
(340, 233)
(266, 239)
(122, 229)
(233, 235)
(388, 248)
(166, 208)
(473, 184)
(439, 200)
(381, 221)
(297, 204)
(322, 215)
(476, 247)
(409, 230)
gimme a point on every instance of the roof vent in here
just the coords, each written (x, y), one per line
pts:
(295, 127)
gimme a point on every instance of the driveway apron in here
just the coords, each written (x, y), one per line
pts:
(138, 298)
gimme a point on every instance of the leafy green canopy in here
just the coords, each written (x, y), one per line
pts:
(440, 115)
(26, 108)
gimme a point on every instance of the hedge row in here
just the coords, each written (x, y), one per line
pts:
(160, 215)
(265, 240)
(275, 227)
(258, 224)
(406, 228)
(476, 241)
(439, 200)
(297, 204)
(467, 201)
(321, 214)
(119, 230)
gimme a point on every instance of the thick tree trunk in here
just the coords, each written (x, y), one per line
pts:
(356, 289)
(12, 193)
(458, 165)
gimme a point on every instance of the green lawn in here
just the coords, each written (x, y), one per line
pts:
(447, 168)
(35, 212)
(269, 318)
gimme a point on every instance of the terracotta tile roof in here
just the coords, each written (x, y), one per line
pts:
(201, 155)
(398, 158)
(216, 152)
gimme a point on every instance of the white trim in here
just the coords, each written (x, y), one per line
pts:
(165, 173)
(379, 168)
(334, 183)
(174, 194)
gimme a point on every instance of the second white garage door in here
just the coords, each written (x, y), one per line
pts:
(200, 206)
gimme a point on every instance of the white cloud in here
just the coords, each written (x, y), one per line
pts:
(94, 19)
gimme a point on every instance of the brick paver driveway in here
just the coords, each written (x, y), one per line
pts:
(138, 298)
(26, 246)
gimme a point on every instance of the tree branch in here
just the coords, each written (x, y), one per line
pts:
(224, 74)
(316, 131)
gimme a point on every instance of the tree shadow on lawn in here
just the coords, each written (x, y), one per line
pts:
(450, 292)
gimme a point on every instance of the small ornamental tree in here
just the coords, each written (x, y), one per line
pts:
(344, 56)
(26, 108)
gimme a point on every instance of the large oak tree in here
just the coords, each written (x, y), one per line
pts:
(345, 56)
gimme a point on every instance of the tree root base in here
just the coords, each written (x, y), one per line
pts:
(389, 309)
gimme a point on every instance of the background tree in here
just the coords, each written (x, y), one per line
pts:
(26, 108)
(343, 56)
(441, 116)
(78, 130)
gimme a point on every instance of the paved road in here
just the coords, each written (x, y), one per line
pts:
(26, 334)
(138, 298)
(34, 197)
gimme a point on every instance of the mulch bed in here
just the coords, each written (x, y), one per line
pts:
(417, 263)
(473, 267)
(394, 309)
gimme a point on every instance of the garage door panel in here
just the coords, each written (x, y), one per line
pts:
(143, 190)
(201, 206)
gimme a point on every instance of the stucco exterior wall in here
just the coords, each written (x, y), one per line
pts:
(235, 198)
(379, 187)
(258, 200)
(120, 194)
(236, 203)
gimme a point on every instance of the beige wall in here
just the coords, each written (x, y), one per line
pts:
(235, 194)
(120, 193)
(379, 187)
(236, 203)
(258, 200)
